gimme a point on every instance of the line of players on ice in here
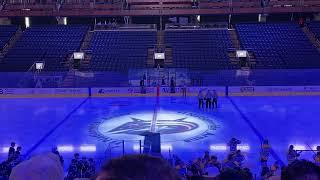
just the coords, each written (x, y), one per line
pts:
(207, 99)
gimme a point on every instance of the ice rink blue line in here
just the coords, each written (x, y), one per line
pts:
(54, 129)
(255, 130)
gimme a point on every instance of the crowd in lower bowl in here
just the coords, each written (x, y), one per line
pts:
(145, 167)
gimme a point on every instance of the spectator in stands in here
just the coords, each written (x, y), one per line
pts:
(265, 152)
(233, 144)
(12, 150)
(238, 158)
(76, 157)
(275, 169)
(265, 3)
(5, 169)
(214, 161)
(197, 167)
(212, 167)
(17, 154)
(73, 170)
(200, 99)
(181, 168)
(83, 167)
(211, 171)
(114, 23)
(229, 163)
(247, 173)
(301, 22)
(194, 3)
(214, 99)
(137, 167)
(92, 168)
(317, 156)
(301, 169)
(206, 157)
(265, 172)
(292, 154)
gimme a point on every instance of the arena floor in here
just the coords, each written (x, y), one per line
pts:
(95, 127)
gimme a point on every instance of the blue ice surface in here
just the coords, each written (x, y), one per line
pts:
(40, 124)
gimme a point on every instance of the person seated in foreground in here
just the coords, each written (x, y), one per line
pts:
(137, 167)
(301, 169)
(235, 174)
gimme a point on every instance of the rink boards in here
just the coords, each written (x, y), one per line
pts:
(158, 91)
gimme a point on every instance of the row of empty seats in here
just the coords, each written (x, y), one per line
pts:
(200, 49)
(51, 44)
(120, 50)
(6, 33)
(280, 45)
(277, 45)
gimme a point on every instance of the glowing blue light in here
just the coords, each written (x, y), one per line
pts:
(166, 147)
(88, 148)
(244, 147)
(65, 148)
(224, 147)
(218, 147)
(5, 150)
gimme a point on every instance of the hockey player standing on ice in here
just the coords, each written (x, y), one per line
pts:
(200, 99)
(208, 99)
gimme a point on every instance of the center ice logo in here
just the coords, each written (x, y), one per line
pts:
(173, 126)
(139, 126)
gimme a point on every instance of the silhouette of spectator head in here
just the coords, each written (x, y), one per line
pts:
(301, 169)
(137, 167)
(13, 144)
(76, 156)
(235, 174)
(291, 147)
